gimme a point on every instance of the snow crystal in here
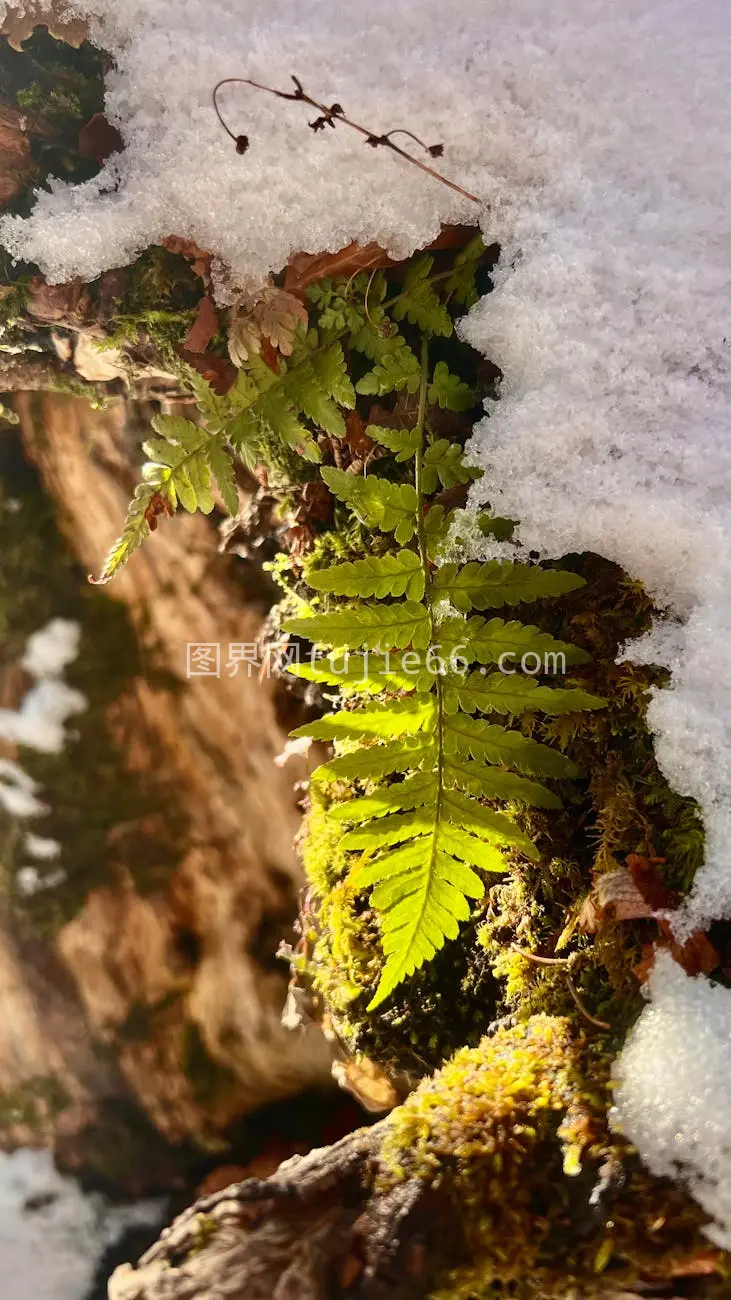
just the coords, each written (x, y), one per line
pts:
(672, 1099)
(598, 136)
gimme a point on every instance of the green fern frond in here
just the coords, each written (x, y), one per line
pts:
(475, 738)
(366, 627)
(376, 502)
(434, 765)
(405, 717)
(398, 574)
(486, 641)
(421, 892)
(449, 391)
(136, 529)
(377, 761)
(367, 674)
(493, 783)
(499, 582)
(398, 370)
(461, 283)
(513, 693)
(418, 302)
(443, 464)
(417, 790)
(404, 443)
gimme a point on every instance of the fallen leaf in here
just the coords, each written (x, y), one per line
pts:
(203, 328)
(219, 372)
(350, 1270)
(56, 304)
(366, 1081)
(356, 439)
(98, 139)
(244, 339)
(16, 163)
(697, 955)
(617, 898)
(270, 314)
(315, 503)
(95, 365)
(21, 21)
(649, 881)
(306, 268)
(199, 259)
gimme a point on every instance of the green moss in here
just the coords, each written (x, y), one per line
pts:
(513, 1135)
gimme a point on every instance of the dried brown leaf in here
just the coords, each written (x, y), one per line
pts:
(21, 21)
(368, 1082)
(200, 260)
(277, 315)
(306, 268)
(219, 372)
(98, 139)
(57, 304)
(270, 316)
(617, 898)
(203, 328)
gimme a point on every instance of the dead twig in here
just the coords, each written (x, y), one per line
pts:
(330, 115)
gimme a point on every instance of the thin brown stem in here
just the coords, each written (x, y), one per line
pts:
(330, 115)
(600, 1024)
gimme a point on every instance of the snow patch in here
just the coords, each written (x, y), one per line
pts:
(18, 791)
(672, 1100)
(40, 720)
(51, 1252)
(52, 649)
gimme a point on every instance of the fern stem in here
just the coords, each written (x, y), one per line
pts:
(426, 567)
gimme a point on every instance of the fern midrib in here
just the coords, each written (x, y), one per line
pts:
(426, 568)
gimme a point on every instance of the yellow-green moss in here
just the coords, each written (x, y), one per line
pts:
(514, 1134)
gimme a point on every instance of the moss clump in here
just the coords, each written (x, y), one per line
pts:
(512, 1135)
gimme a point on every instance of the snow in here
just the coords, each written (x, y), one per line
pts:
(40, 720)
(51, 1252)
(672, 1098)
(41, 847)
(51, 649)
(598, 135)
(18, 791)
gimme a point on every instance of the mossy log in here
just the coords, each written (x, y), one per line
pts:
(498, 1175)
